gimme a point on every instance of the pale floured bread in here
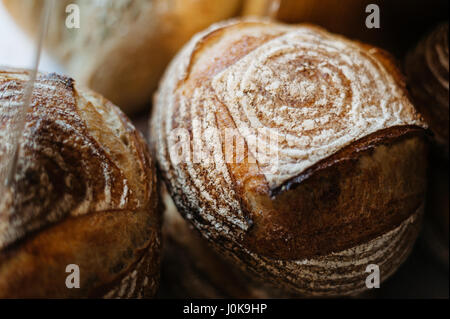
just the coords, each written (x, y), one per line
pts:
(427, 70)
(84, 193)
(123, 46)
(331, 176)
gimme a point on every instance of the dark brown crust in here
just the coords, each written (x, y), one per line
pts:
(76, 135)
(105, 245)
(118, 59)
(340, 203)
(60, 145)
(351, 153)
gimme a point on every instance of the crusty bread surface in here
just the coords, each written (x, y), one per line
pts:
(341, 187)
(84, 193)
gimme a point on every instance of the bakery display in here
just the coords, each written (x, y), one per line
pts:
(122, 47)
(84, 193)
(297, 155)
(427, 70)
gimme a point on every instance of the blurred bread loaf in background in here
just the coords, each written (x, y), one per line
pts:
(192, 269)
(122, 47)
(427, 70)
(401, 21)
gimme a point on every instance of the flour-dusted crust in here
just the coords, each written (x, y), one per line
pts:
(349, 162)
(84, 192)
(314, 93)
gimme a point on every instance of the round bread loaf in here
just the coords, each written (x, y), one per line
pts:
(123, 46)
(427, 73)
(295, 152)
(84, 193)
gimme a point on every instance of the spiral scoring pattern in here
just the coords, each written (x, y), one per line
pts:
(312, 92)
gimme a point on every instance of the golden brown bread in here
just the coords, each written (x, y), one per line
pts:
(122, 47)
(341, 187)
(84, 193)
(427, 73)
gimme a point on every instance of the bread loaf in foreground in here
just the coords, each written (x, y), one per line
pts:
(295, 153)
(123, 46)
(84, 193)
